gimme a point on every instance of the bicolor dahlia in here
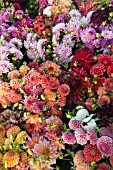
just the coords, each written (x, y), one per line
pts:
(92, 136)
(11, 158)
(80, 136)
(92, 153)
(69, 138)
(108, 84)
(105, 145)
(103, 166)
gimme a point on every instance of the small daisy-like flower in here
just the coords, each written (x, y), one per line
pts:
(21, 137)
(24, 70)
(110, 70)
(105, 59)
(11, 158)
(104, 100)
(64, 89)
(92, 153)
(74, 124)
(105, 145)
(16, 52)
(54, 124)
(15, 42)
(2, 131)
(107, 34)
(52, 68)
(92, 136)
(14, 131)
(49, 95)
(97, 69)
(34, 78)
(69, 138)
(14, 83)
(108, 84)
(103, 166)
(80, 136)
(13, 74)
(5, 66)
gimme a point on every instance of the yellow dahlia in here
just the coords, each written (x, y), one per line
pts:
(0, 156)
(8, 142)
(2, 141)
(21, 137)
(14, 130)
(11, 158)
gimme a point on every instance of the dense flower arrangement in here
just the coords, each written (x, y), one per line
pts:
(56, 64)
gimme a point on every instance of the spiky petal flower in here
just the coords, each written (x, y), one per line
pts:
(105, 59)
(92, 153)
(97, 69)
(105, 145)
(69, 138)
(11, 158)
(88, 34)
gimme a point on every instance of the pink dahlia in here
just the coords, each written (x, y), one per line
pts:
(108, 84)
(105, 145)
(69, 138)
(80, 136)
(92, 153)
(13, 96)
(97, 69)
(105, 59)
(104, 131)
(103, 166)
(74, 124)
(92, 136)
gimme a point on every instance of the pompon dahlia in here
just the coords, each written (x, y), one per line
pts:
(69, 138)
(108, 84)
(52, 68)
(105, 59)
(103, 166)
(14, 131)
(2, 131)
(49, 95)
(13, 74)
(24, 70)
(11, 158)
(105, 145)
(21, 137)
(110, 71)
(20, 166)
(54, 124)
(97, 69)
(74, 124)
(92, 153)
(80, 136)
(34, 78)
(79, 158)
(64, 89)
(92, 136)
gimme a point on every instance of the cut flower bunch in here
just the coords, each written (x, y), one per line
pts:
(56, 85)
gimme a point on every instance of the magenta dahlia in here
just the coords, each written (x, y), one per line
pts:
(69, 138)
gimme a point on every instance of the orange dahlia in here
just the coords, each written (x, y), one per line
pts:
(83, 166)
(14, 83)
(34, 78)
(24, 157)
(64, 89)
(13, 74)
(11, 158)
(14, 130)
(24, 70)
(52, 68)
(8, 142)
(79, 158)
(49, 95)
